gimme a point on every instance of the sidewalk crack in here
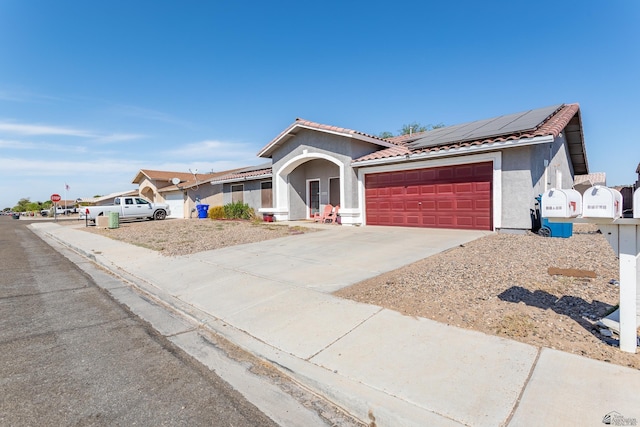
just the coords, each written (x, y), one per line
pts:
(308, 359)
(524, 388)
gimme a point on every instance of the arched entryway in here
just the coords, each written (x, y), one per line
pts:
(307, 183)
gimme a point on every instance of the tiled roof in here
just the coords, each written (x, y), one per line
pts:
(596, 178)
(199, 179)
(405, 139)
(243, 175)
(164, 176)
(265, 151)
(551, 126)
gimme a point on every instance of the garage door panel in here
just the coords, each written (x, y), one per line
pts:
(412, 190)
(444, 188)
(464, 188)
(465, 204)
(427, 190)
(482, 186)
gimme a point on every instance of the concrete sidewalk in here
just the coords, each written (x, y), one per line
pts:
(273, 299)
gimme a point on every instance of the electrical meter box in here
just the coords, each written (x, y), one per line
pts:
(557, 203)
(636, 203)
(601, 202)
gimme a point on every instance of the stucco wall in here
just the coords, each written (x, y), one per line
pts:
(517, 190)
(251, 193)
(523, 178)
(207, 194)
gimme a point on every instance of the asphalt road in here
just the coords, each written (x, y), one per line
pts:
(70, 355)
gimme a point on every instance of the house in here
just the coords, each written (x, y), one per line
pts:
(481, 175)
(182, 191)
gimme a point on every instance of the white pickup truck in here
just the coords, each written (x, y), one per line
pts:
(129, 208)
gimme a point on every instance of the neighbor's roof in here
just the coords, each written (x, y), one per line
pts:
(193, 180)
(252, 172)
(548, 121)
(109, 196)
(300, 124)
(596, 178)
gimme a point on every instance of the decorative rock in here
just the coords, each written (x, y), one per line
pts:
(606, 333)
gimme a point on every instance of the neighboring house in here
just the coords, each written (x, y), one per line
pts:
(251, 185)
(107, 199)
(480, 175)
(182, 191)
(583, 182)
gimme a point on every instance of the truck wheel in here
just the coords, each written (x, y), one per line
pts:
(160, 215)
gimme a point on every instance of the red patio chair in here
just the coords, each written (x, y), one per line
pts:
(317, 217)
(333, 216)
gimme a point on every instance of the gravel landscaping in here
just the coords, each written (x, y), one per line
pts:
(183, 237)
(519, 287)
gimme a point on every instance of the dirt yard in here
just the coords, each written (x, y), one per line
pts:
(500, 285)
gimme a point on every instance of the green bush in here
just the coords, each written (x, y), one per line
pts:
(216, 212)
(238, 210)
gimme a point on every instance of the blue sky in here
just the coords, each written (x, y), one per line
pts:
(91, 92)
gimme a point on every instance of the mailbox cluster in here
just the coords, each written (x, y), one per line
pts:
(597, 202)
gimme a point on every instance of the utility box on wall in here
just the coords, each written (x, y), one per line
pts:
(558, 203)
(602, 202)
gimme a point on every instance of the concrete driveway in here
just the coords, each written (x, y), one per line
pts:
(338, 256)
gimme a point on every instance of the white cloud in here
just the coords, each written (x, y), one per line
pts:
(35, 129)
(28, 145)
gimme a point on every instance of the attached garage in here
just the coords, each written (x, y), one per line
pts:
(458, 196)
(175, 200)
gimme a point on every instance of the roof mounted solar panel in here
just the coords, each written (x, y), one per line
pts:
(489, 128)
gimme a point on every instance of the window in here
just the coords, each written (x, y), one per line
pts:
(334, 191)
(236, 193)
(266, 194)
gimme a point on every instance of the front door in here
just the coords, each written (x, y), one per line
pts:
(313, 197)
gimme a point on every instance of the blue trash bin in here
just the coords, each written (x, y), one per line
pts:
(202, 210)
(558, 229)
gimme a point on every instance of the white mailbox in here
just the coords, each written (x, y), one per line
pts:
(636, 203)
(601, 202)
(557, 203)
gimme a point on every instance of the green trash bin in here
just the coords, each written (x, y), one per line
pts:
(114, 220)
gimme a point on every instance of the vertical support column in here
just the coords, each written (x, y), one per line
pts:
(628, 247)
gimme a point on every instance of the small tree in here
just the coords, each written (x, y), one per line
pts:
(385, 135)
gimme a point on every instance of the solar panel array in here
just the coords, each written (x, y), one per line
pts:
(482, 129)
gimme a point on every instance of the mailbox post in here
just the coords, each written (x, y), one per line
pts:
(603, 206)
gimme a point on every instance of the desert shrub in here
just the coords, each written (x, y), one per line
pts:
(238, 210)
(216, 212)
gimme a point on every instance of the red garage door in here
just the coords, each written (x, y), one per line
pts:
(444, 197)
